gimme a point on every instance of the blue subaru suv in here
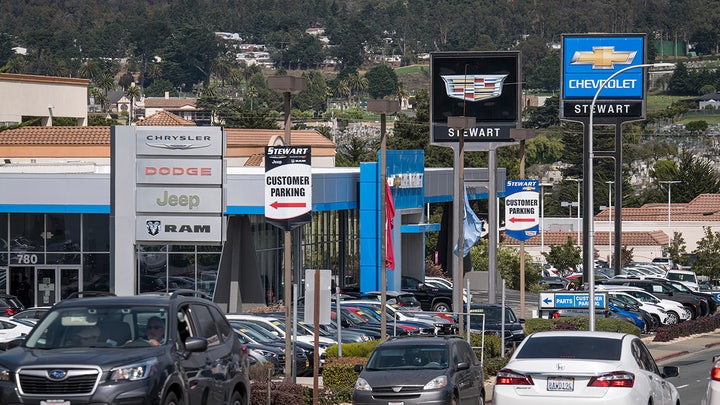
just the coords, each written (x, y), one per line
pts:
(166, 349)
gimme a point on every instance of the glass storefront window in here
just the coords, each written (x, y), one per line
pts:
(58, 258)
(96, 272)
(62, 233)
(96, 233)
(26, 232)
(181, 272)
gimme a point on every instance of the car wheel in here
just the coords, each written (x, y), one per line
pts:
(693, 315)
(481, 398)
(441, 307)
(672, 318)
(171, 399)
(237, 399)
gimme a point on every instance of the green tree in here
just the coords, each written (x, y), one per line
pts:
(382, 81)
(708, 254)
(132, 93)
(680, 84)
(5, 49)
(354, 150)
(159, 87)
(697, 127)
(508, 264)
(564, 257)
(705, 179)
(315, 95)
(188, 56)
(678, 248)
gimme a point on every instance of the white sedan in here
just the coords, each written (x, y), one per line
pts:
(571, 367)
(712, 394)
(12, 329)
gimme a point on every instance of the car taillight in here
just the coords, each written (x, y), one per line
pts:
(556, 315)
(715, 373)
(615, 379)
(510, 377)
(9, 311)
(401, 304)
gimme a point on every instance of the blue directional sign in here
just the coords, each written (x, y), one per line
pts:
(588, 60)
(580, 300)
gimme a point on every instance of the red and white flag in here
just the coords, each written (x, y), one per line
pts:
(389, 224)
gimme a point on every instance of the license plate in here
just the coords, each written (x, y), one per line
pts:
(560, 384)
(55, 402)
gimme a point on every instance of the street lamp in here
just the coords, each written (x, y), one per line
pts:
(589, 186)
(610, 220)
(578, 181)
(288, 85)
(669, 187)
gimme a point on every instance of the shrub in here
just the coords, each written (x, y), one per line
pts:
(361, 349)
(687, 328)
(281, 393)
(580, 323)
(339, 376)
(260, 371)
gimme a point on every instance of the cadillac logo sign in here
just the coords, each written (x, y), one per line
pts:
(473, 87)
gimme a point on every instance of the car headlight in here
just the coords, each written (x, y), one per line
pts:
(518, 332)
(362, 385)
(5, 374)
(436, 383)
(135, 371)
(365, 338)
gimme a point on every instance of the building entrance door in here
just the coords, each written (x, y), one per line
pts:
(54, 283)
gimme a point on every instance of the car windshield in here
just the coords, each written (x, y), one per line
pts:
(644, 296)
(680, 286)
(492, 315)
(100, 326)
(408, 357)
(252, 334)
(681, 277)
(268, 335)
(570, 347)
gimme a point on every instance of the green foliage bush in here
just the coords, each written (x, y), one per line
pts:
(339, 375)
(361, 349)
(580, 323)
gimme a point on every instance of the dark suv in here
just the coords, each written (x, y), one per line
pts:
(150, 349)
(421, 370)
(431, 298)
(698, 306)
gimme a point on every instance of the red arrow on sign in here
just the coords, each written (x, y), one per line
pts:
(277, 205)
(513, 219)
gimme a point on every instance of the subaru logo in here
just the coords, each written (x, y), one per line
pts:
(57, 374)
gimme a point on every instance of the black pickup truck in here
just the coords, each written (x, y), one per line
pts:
(431, 298)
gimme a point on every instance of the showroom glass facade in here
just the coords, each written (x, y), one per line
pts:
(46, 256)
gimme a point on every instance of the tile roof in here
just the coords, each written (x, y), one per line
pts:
(642, 238)
(255, 160)
(703, 208)
(15, 77)
(162, 102)
(165, 118)
(56, 136)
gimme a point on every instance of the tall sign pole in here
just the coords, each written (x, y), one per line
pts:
(602, 80)
(484, 86)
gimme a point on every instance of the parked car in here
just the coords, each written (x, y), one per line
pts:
(712, 393)
(591, 367)
(640, 318)
(664, 262)
(34, 313)
(420, 370)
(674, 310)
(441, 324)
(514, 331)
(403, 299)
(434, 299)
(659, 288)
(12, 329)
(555, 283)
(686, 277)
(10, 305)
(372, 315)
(149, 349)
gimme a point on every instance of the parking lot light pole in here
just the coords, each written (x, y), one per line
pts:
(610, 220)
(588, 256)
(288, 85)
(669, 187)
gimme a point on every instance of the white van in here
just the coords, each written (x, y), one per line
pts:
(686, 277)
(664, 262)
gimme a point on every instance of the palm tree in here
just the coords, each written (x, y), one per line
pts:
(132, 93)
(105, 81)
(400, 93)
(89, 69)
(342, 90)
(357, 84)
(251, 93)
(16, 64)
(100, 97)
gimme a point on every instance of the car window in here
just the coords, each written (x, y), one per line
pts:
(204, 324)
(409, 283)
(570, 347)
(643, 357)
(222, 323)
(467, 354)
(411, 356)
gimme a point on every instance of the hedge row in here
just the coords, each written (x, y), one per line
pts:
(580, 323)
(691, 327)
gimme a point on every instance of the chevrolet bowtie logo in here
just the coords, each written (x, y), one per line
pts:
(473, 87)
(603, 57)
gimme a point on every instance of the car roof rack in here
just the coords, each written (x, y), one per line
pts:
(188, 293)
(89, 294)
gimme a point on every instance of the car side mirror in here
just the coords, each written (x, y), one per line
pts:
(521, 320)
(421, 287)
(358, 368)
(463, 366)
(670, 371)
(196, 344)
(716, 358)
